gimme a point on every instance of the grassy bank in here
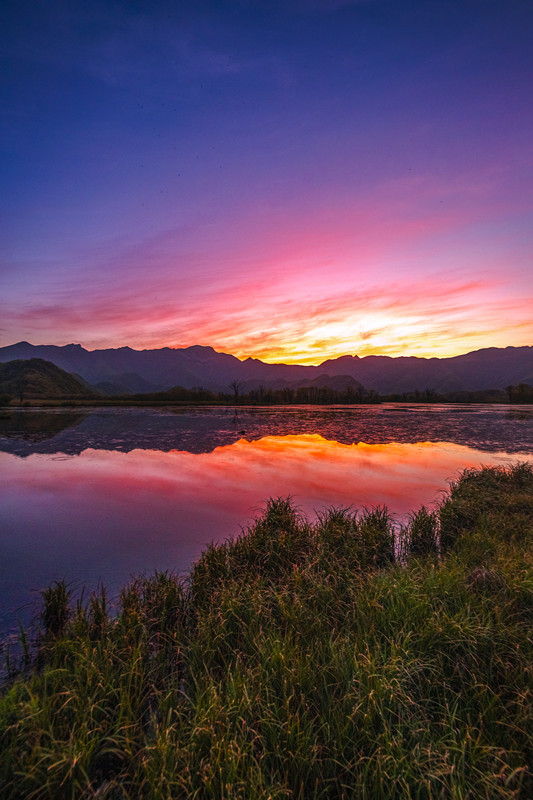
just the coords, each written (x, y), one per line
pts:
(299, 661)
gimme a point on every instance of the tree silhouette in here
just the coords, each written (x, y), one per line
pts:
(235, 387)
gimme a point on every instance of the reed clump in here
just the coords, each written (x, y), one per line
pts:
(302, 660)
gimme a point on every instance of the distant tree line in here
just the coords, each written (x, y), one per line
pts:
(303, 395)
(310, 395)
(520, 394)
(523, 393)
(325, 395)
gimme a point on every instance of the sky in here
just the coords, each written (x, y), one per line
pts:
(291, 180)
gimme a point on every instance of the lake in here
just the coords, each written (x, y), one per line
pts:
(100, 495)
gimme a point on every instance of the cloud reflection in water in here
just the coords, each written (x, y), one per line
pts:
(104, 515)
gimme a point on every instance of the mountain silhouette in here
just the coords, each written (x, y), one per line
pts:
(116, 371)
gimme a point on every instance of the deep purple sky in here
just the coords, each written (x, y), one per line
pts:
(287, 179)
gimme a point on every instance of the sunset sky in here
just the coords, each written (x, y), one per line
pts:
(286, 179)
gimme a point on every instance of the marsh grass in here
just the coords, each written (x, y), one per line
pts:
(422, 535)
(298, 661)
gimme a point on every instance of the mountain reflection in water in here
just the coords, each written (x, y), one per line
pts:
(200, 430)
(123, 492)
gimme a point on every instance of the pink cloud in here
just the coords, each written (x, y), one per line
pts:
(401, 270)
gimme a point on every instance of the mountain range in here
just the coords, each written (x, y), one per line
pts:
(124, 370)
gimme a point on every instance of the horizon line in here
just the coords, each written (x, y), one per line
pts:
(264, 361)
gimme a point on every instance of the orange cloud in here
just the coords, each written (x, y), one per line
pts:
(407, 269)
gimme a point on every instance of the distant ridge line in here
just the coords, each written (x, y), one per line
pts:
(125, 370)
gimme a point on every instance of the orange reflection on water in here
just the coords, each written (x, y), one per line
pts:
(108, 514)
(237, 479)
(318, 472)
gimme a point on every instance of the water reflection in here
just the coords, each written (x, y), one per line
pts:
(35, 426)
(106, 514)
(201, 430)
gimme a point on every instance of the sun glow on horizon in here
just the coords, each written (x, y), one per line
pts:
(410, 339)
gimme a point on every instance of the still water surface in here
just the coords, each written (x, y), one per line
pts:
(100, 496)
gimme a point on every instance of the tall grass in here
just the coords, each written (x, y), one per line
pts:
(298, 661)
